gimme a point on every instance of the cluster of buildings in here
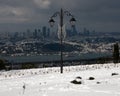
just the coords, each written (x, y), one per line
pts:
(32, 41)
(37, 33)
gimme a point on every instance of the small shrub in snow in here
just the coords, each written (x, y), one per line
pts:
(78, 77)
(5, 76)
(91, 78)
(78, 80)
(10, 75)
(98, 82)
(43, 72)
(114, 74)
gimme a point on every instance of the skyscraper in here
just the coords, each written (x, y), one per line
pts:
(73, 31)
(35, 34)
(44, 31)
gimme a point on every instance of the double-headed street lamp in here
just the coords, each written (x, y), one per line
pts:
(72, 21)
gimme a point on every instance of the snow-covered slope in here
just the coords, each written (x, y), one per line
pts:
(49, 82)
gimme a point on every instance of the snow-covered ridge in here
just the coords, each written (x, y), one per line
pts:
(49, 81)
(53, 70)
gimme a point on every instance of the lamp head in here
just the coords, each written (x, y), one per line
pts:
(72, 21)
(51, 22)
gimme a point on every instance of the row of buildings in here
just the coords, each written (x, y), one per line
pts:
(42, 33)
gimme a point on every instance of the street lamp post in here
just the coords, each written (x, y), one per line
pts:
(51, 21)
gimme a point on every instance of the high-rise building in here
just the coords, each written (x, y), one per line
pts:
(44, 31)
(36, 33)
(39, 33)
(68, 33)
(48, 32)
(28, 34)
(73, 31)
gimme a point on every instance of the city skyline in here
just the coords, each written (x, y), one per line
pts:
(99, 15)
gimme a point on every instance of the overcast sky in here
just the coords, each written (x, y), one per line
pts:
(20, 15)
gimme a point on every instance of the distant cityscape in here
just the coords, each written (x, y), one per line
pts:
(44, 40)
(38, 33)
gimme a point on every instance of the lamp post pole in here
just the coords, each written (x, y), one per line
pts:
(61, 41)
(51, 21)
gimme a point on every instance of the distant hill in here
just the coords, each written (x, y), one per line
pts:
(55, 47)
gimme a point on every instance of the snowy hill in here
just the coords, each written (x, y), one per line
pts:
(49, 82)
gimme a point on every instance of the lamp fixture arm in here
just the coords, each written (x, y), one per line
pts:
(55, 14)
(68, 13)
(58, 13)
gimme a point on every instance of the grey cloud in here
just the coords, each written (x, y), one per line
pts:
(89, 13)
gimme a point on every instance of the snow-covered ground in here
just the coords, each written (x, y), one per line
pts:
(49, 82)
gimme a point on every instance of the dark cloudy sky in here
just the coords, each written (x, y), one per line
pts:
(19, 15)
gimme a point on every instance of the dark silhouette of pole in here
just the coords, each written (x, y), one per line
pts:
(61, 41)
(12, 64)
(51, 21)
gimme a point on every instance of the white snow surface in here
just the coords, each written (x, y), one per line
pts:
(49, 81)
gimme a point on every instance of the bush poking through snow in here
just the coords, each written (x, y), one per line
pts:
(98, 82)
(78, 77)
(114, 74)
(91, 78)
(77, 80)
